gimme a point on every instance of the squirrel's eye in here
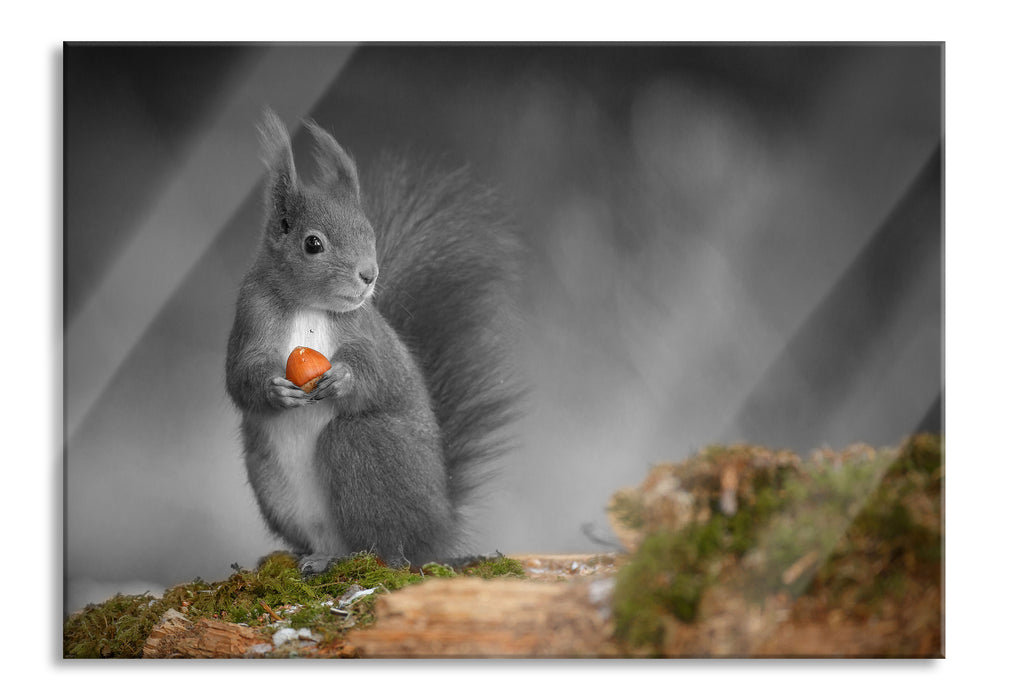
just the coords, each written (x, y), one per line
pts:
(284, 226)
(313, 245)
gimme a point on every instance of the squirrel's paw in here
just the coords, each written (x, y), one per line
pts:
(312, 564)
(335, 382)
(282, 393)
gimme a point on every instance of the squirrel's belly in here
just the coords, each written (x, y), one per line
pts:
(293, 437)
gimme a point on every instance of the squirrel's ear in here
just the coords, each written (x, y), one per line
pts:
(276, 152)
(336, 168)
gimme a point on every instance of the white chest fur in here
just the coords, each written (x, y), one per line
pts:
(311, 329)
(294, 435)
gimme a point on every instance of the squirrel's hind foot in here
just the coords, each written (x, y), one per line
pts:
(313, 564)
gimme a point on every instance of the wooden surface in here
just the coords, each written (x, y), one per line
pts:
(202, 638)
(488, 618)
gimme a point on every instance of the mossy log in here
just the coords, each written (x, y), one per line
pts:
(738, 551)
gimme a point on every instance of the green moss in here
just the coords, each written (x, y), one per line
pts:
(741, 531)
(438, 570)
(825, 506)
(238, 615)
(309, 615)
(923, 453)
(627, 509)
(641, 587)
(119, 626)
(494, 567)
(116, 628)
(671, 570)
(897, 534)
(667, 575)
(365, 570)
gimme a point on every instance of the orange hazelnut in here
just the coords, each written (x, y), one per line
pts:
(305, 366)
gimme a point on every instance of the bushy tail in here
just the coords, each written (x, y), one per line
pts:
(448, 271)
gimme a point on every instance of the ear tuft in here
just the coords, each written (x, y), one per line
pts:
(276, 152)
(336, 167)
(275, 142)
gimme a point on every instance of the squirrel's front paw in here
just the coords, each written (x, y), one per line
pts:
(282, 393)
(335, 382)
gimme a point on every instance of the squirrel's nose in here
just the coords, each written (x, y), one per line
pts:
(368, 273)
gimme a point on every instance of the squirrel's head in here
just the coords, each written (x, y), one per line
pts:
(321, 246)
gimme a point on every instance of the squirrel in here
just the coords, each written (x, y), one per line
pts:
(406, 285)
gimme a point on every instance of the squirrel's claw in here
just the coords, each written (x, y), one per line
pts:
(334, 382)
(312, 564)
(282, 393)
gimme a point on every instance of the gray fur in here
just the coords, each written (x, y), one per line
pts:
(336, 167)
(398, 430)
(450, 272)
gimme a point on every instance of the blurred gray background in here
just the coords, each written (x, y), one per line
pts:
(725, 243)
